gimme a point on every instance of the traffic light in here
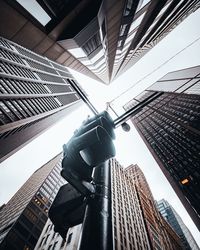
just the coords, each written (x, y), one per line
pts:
(91, 145)
(105, 121)
(67, 209)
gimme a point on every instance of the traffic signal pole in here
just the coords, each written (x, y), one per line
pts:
(88, 199)
(97, 224)
(83, 96)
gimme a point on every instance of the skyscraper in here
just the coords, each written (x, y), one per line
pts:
(101, 38)
(135, 219)
(137, 223)
(169, 126)
(151, 22)
(22, 219)
(177, 224)
(35, 93)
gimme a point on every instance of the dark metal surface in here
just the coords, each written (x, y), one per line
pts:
(67, 209)
(83, 96)
(97, 225)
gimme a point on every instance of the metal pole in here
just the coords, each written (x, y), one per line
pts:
(136, 109)
(83, 96)
(97, 225)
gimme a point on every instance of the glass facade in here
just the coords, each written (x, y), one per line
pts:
(169, 126)
(34, 93)
(177, 224)
(150, 22)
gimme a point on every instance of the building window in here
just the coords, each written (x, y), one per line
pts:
(49, 247)
(63, 243)
(42, 241)
(69, 238)
(103, 28)
(92, 44)
(46, 239)
(26, 248)
(54, 245)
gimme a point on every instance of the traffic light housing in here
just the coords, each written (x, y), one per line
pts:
(67, 209)
(91, 145)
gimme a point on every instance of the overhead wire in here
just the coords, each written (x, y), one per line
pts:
(153, 71)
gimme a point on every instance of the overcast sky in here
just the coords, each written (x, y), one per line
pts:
(180, 49)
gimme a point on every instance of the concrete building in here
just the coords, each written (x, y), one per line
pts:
(172, 217)
(35, 93)
(101, 38)
(169, 126)
(137, 223)
(22, 219)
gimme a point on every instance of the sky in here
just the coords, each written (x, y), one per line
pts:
(180, 49)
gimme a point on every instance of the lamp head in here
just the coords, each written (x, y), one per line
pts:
(126, 127)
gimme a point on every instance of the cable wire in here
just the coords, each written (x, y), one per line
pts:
(160, 66)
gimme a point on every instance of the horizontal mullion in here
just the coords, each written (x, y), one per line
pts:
(16, 124)
(51, 66)
(3, 75)
(34, 69)
(28, 96)
(24, 56)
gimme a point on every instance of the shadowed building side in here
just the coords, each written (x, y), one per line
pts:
(35, 93)
(40, 36)
(101, 39)
(169, 126)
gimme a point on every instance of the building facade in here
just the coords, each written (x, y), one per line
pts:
(137, 223)
(22, 219)
(169, 126)
(129, 229)
(35, 93)
(101, 38)
(51, 240)
(151, 21)
(172, 217)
